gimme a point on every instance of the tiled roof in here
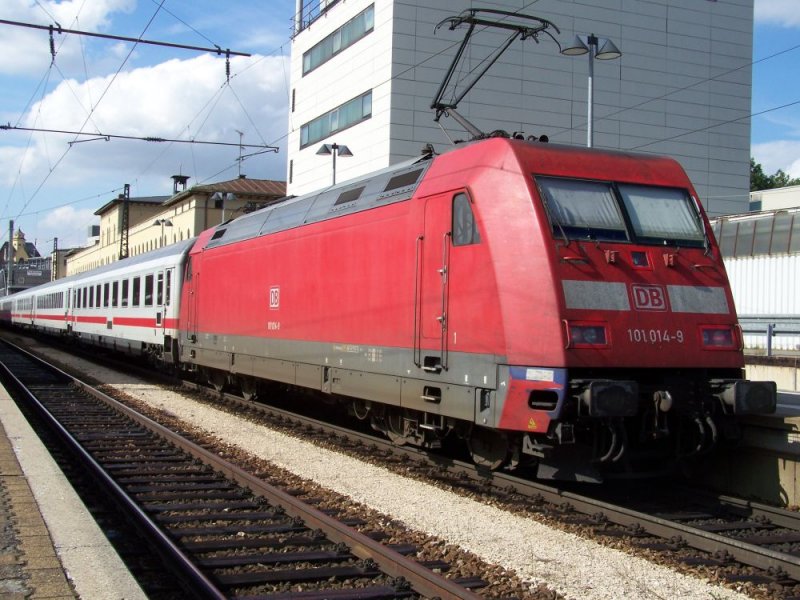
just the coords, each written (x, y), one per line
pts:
(243, 185)
(140, 200)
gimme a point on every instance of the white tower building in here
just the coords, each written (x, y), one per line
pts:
(364, 73)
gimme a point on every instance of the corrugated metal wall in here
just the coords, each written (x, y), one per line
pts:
(766, 285)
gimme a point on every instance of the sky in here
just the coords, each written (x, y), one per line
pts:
(52, 183)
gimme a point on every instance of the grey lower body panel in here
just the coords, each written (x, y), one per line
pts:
(380, 374)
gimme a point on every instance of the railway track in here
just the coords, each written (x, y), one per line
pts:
(753, 542)
(740, 541)
(221, 531)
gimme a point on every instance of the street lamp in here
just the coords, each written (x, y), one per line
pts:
(601, 49)
(333, 150)
(163, 223)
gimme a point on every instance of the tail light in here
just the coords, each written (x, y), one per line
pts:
(718, 338)
(586, 335)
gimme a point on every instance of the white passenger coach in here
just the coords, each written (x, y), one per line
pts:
(131, 305)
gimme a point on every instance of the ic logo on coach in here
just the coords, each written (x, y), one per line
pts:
(649, 297)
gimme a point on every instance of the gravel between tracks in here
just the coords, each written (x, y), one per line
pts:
(575, 567)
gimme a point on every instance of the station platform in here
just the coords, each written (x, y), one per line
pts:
(50, 546)
(765, 465)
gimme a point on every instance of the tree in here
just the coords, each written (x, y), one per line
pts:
(760, 181)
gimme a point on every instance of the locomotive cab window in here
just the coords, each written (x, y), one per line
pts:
(582, 210)
(608, 211)
(662, 215)
(465, 230)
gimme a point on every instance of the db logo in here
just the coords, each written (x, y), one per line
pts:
(649, 297)
(274, 297)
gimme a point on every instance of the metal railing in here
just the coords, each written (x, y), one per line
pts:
(310, 11)
(770, 326)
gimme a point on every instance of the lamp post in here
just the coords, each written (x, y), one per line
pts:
(333, 150)
(601, 49)
(163, 223)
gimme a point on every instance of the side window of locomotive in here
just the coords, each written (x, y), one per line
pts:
(187, 276)
(465, 230)
(662, 215)
(582, 210)
(148, 290)
(135, 292)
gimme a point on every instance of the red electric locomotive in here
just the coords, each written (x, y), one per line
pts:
(551, 305)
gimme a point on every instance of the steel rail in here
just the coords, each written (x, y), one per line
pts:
(745, 553)
(422, 579)
(192, 577)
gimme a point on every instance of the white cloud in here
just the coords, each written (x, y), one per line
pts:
(25, 51)
(777, 12)
(779, 154)
(178, 99)
(70, 225)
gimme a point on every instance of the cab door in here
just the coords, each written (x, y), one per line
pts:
(190, 288)
(434, 280)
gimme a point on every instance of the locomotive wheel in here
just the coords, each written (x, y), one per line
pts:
(249, 387)
(395, 429)
(216, 379)
(488, 448)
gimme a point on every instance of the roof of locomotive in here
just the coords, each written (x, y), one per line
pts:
(399, 182)
(394, 184)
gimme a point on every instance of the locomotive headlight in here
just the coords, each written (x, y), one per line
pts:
(718, 338)
(586, 335)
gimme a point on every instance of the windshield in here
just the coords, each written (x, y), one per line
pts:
(665, 214)
(583, 209)
(598, 210)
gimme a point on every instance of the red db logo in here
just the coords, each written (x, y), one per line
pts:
(649, 297)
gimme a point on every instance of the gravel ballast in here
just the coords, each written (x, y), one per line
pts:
(575, 567)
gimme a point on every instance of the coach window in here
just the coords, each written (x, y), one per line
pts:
(124, 292)
(168, 288)
(106, 294)
(98, 295)
(465, 230)
(160, 288)
(114, 293)
(135, 293)
(148, 290)
(85, 302)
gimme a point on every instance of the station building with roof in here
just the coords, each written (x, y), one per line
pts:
(157, 221)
